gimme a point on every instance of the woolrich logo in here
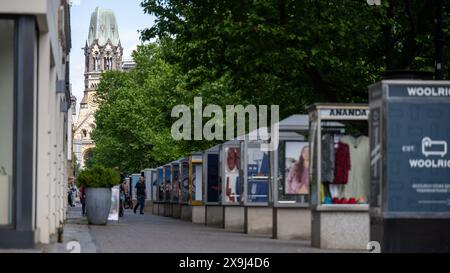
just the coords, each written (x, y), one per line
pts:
(348, 112)
(432, 148)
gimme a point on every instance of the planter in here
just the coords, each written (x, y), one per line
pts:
(98, 205)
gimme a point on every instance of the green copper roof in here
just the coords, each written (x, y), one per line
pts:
(103, 26)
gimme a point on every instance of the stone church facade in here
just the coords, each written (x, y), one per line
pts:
(103, 51)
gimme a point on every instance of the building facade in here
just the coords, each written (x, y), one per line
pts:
(102, 52)
(34, 109)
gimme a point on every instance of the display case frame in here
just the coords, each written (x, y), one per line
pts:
(294, 129)
(195, 159)
(323, 115)
(211, 160)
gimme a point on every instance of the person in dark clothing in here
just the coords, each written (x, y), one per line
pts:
(83, 200)
(140, 194)
(122, 194)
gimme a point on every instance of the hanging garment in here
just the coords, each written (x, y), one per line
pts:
(328, 158)
(359, 176)
(342, 166)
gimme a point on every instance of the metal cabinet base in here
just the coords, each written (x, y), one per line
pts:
(186, 212)
(292, 223)
(234, 218)
(259, 220)
(176, 211)
(198, 214)
(167, 209)
(411, 235)
(214, 215)
(340, 229)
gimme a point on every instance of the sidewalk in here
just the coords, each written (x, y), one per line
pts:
(157, 234)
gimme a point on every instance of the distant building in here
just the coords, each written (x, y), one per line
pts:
(102, 51)
(128, 64)
(35, 121)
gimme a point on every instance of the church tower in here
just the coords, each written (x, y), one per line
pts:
(102, 52)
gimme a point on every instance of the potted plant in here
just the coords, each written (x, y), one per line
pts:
(98, 182)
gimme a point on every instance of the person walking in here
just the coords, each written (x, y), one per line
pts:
(83, 200)
(140, 194)
(123, 185)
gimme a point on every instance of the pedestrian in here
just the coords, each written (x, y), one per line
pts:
(122, 193)
(83, 200)
(140, 194)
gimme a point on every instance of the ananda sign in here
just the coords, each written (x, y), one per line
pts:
(344, 113)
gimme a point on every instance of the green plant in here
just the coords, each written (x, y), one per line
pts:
(98, 177)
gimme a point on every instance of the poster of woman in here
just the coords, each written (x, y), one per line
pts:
(297, 168)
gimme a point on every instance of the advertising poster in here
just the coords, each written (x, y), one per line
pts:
(167, 185)
(296, 173)
(134, 181)
(160, 184)
(213, 186)
(184, 181)
(418, 159)
(257, 172)
(114, 211)
(175, 193)
(232, 179)
(197, 171)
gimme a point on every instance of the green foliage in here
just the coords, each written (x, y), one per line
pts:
(286, 52)
(98, 177)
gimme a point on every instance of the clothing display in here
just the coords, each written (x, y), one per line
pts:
(342, 166)
(232, 180)
(359, 175)
(328, 156)
(350, 156)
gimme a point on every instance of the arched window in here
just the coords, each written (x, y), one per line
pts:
(84, 132)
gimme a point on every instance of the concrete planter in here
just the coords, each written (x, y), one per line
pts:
(98, 205)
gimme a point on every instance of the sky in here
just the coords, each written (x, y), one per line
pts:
(130, 18)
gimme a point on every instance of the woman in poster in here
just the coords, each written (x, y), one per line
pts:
(298, 178)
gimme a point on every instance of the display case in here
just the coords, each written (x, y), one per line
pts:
(212, 182)
(340, 156)
(150, 183)
(184, 180)
(175, 182)
(230, 172)
(195, 179)
(134, 181)
(167, 183)
(160, 184)
(290, 163)
(339, 175)
(256, 170)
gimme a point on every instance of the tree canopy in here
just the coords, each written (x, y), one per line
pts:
(284, 52)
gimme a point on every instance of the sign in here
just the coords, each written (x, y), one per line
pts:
(419, 91)
(344, 113)
(418, 162)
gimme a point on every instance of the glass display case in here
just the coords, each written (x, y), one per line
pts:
(175, 182)
(340, 169)
(167, 182)
(184, 180)
(256, 171)
(134, 181)
(212, 182)
(290, 163)
(160, 184)
(230, 172)
(150, 183)
(195, 179)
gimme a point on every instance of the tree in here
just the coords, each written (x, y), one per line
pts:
(295, 52)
